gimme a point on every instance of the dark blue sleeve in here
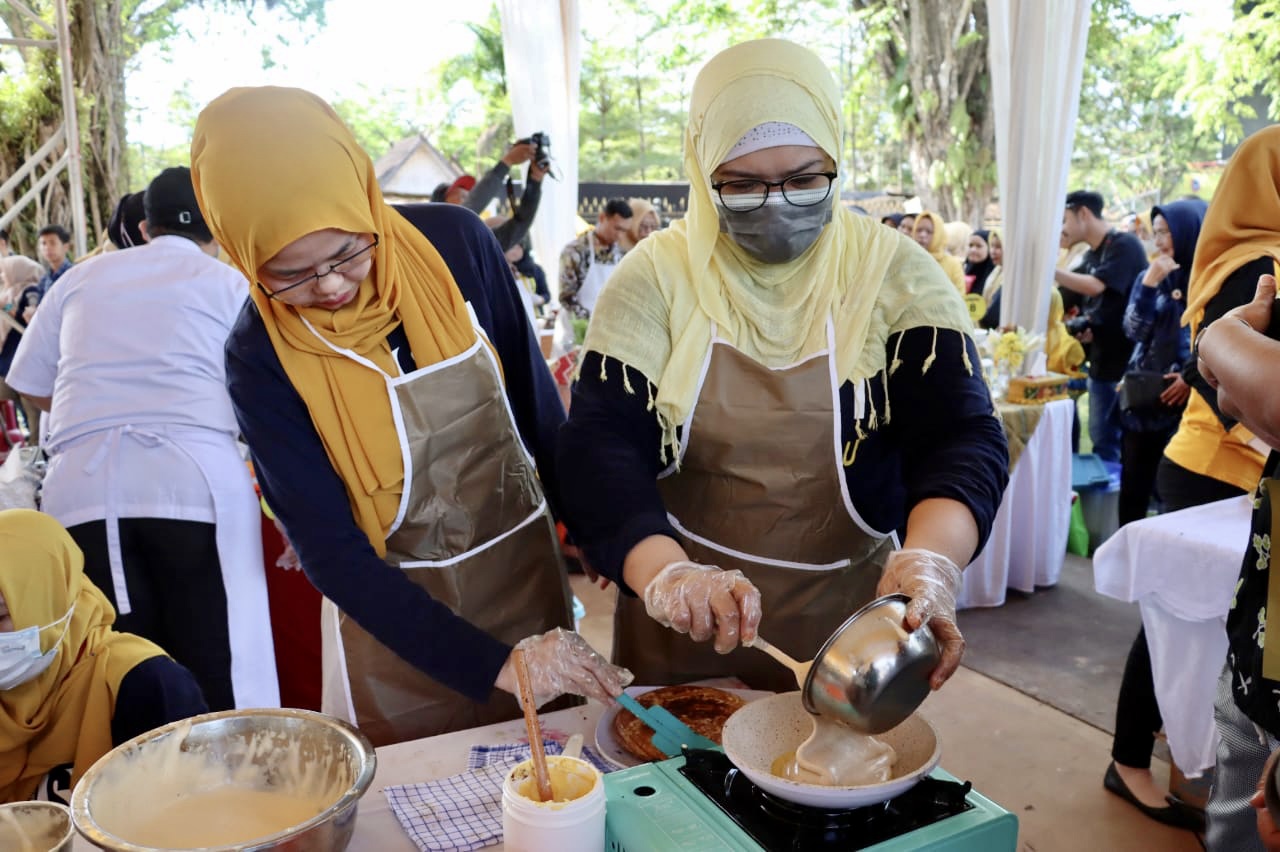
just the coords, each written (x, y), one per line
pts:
(1140, 314)
(155, 692)
(306, 494)
(610, 454)
(943, 438)
(484, 277)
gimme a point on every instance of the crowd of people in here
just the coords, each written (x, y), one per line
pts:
(775, 418)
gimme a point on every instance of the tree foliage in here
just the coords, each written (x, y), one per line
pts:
(1230, 78)
(1135, 135)
(105, 36)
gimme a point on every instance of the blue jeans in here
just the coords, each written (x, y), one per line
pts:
(1105, 429)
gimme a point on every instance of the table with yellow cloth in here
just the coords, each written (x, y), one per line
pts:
(1028, 541)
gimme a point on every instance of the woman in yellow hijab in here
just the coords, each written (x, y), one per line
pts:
(775, 390)
(401, 421)
(931, 233)
(71, 687)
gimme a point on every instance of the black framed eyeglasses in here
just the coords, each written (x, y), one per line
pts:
(802, 190)
(336, 266)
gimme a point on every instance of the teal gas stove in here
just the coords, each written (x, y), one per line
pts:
(702, 803)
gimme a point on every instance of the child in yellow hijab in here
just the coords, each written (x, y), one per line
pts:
(71, 687)
(931, 233)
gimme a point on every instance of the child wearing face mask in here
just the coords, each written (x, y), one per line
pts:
(71, 687)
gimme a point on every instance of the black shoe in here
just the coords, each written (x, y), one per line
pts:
(1192, 813)
(1177, 816)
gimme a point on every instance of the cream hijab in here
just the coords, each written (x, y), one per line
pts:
(657, 313)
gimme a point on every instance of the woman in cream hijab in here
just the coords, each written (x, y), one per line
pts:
(773, 392)
(71, 687)
(644, 221)
(401, 421)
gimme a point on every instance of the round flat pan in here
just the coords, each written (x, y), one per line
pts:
(764, 730)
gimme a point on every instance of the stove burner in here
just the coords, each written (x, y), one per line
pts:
(777, 824)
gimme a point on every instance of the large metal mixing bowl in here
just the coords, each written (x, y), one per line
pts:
(870, 675)
(44, 826)
(350, 756)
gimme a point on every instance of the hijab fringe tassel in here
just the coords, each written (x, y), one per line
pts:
(604, 376)
(884, 382)
(933, 353)
(851, 452)
(964, 352)
(626, 381)
(897, 362)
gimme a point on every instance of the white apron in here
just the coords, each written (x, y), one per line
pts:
(238, 533)
(594, 279)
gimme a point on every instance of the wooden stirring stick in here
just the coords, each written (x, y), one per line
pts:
(801, 670)
(536, 750)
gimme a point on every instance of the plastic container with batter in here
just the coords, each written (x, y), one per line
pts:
(574, 822)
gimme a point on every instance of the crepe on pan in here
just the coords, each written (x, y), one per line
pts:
(705, 709)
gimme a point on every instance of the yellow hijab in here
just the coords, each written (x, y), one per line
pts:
(938, 248)
(1242, 223)
(64, 714)
(1063, 353)
(656, 315)
(271, 165)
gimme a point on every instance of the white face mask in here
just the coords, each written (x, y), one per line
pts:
(20, 657)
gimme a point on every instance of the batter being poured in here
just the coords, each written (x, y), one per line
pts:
(837, 756)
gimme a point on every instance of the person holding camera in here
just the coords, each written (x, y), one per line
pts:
(1104, 277)
(476, 195)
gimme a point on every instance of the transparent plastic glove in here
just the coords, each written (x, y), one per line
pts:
(288, 559)
(19, 491)
(705, 601)
(560, 661)
(932, 581)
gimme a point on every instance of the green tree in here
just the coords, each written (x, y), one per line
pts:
(1135, 134)
(472, 85)
(933, 54)
(105, 36)
(1230, 74)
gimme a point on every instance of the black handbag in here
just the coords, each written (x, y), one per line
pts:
(1140, 390)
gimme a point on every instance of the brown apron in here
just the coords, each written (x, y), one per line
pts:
(473, 530)
(761, 488)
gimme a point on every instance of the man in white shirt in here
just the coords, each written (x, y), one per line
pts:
(144, 471)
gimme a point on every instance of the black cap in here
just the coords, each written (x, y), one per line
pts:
(170, 202)
(124, 229)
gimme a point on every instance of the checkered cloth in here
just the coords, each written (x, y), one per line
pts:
(484, 755)
(464, 811)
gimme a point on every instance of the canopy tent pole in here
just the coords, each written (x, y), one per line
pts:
(1037, 64)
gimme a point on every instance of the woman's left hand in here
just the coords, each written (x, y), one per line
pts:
(1175, 395)
(932, 581)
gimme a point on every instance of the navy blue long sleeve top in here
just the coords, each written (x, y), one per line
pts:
(942, 440)
(309, 498)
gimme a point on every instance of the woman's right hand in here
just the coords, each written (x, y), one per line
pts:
(705, 601)
(560, 661)
(1159, 269)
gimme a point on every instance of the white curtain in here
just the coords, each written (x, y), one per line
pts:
(1037, 59)
(541, 47)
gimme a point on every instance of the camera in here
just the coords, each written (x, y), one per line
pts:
(541, 143)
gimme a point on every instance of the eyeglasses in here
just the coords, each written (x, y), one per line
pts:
(336, 266)
(802, 190)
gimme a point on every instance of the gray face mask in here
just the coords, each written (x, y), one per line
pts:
(775, 233)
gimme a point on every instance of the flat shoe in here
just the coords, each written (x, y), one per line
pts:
(1176, 817)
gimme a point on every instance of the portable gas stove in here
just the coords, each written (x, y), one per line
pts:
(700, 801)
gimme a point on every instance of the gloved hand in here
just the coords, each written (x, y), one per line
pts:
(704, 601)
(288, 558)
(932, 581)
(561, 661)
